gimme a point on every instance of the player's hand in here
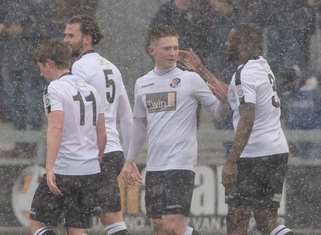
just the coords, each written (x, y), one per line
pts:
(229, 173)
(130, 174)
(101, 157)
(51, 181)
(189, 59)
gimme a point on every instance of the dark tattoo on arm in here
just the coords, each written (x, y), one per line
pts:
(243, 130)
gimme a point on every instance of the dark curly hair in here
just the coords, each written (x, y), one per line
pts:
(88, 26)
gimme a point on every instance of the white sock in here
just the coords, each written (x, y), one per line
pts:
(189, 230)
(280, 230)
(114, 228)
(41, 231)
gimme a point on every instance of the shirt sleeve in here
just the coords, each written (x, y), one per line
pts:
(125, 118)
(79, 70)
(201, 91)
(139, 108)
(245, 88)
(100, 105)
(138, 136)
(55, 98)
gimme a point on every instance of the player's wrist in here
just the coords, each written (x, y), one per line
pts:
(49, 170)
(232, 159)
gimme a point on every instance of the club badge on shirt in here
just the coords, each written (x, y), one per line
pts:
(175, 82)
(161, 102)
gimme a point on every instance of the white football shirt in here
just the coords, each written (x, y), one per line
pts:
(169, 103)
(254, 82)
(107, 79)
(81, 105)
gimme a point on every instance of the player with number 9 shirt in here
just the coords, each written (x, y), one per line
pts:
(82, 33)
(256, 164)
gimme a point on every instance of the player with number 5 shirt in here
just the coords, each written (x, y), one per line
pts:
(82, 33)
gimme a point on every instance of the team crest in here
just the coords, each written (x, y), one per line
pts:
(175, 82)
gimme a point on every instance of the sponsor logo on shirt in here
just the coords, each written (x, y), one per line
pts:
(175, 82)
(161, 102)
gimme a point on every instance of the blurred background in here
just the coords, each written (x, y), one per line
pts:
(292, 45)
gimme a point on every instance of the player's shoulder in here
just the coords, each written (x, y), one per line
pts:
(62, 81)
(190, 75)
(145, 77)
(93, 58)
(66, 81)
(254, 71)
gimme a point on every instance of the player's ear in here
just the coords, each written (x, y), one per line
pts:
(151, 50)
(87, 39)
(50, 63)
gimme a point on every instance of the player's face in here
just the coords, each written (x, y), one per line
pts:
(164, 52)
(74, 38)
(44, 70)
(232, 50)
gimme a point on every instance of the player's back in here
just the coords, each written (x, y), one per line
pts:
(107, 79)
(80, 103)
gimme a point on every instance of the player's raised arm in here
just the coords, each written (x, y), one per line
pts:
(192, 61)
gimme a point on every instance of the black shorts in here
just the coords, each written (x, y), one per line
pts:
(108, 195)
(259, 182)
(76, 205)
(169, 192)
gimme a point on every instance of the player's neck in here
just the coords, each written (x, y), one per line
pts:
(86, 50)
(246, 58)
(162, 71)
(61, 72)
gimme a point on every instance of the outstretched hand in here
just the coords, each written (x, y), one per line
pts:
(189, 59)
(193, 62)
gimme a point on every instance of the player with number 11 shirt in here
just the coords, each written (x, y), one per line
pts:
(82, 33)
